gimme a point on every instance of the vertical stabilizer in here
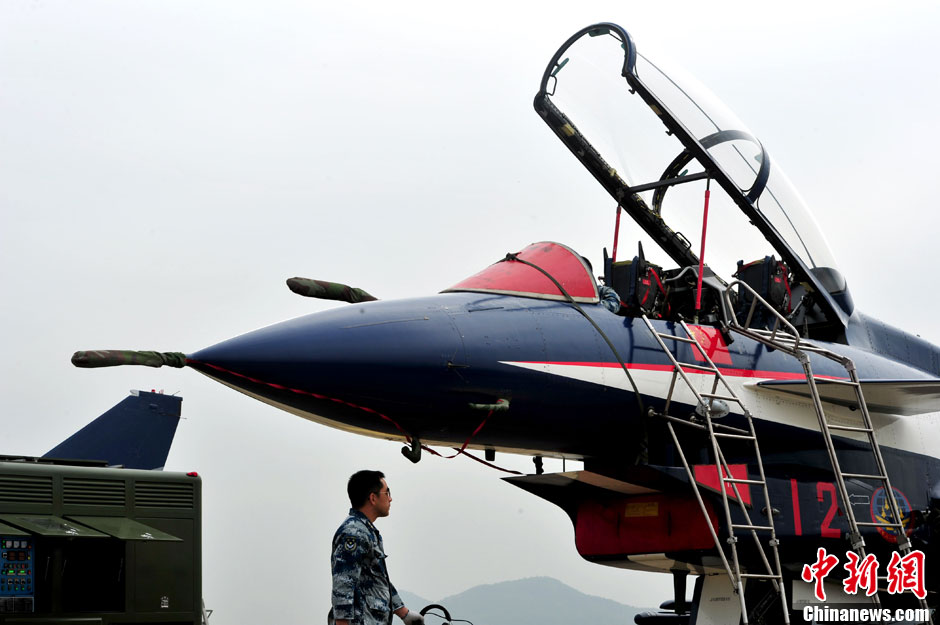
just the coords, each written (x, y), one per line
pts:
(136, 433)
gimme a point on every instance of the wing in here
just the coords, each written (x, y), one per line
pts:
(902, 397)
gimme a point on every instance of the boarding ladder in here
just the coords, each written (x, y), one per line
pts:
(706, 406)
(784, 337)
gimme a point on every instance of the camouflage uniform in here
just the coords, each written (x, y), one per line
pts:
(609, 298)
(362, 592)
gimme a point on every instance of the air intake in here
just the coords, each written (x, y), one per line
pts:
(81, 492)
(163, 495)
(26, 489)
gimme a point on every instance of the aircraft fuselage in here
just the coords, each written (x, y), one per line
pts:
(431, 368)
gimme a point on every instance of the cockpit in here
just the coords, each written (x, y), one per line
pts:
(645, 288)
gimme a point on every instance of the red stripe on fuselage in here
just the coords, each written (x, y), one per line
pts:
(739, 373)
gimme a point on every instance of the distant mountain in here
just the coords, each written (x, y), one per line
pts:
(541, 600)
(414, 602)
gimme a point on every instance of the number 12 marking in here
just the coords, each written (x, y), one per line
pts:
(822, 489)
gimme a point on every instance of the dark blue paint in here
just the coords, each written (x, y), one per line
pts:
(136, 433)
(422, 362)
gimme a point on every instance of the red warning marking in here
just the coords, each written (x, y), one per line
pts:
(707, 476)
(713, 343)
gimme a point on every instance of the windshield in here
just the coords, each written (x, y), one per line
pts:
(702, 113)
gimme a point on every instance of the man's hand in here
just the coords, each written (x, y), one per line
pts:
(413, 618)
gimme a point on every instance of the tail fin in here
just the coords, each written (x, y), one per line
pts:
(136, 433)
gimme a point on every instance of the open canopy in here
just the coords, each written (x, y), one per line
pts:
(602, 98)
(512, 276)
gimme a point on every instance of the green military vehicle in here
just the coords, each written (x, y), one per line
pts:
(84, 543)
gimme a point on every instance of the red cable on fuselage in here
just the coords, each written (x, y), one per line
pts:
(281, 387)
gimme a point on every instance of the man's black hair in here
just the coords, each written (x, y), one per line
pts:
(361, 484)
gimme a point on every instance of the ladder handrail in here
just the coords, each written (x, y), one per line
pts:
(755, 300)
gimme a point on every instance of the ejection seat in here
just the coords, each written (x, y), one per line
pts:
(770, 279)
(647, 289)
(639, 285)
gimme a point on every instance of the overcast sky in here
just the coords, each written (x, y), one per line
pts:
(165, 166)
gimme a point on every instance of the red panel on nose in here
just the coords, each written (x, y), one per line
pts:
(511, 277)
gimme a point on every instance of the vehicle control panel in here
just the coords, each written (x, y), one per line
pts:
(17, 574)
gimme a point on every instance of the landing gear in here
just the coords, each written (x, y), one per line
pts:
(676, 611)
(413, 452)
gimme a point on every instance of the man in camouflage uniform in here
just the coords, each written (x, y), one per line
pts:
(362, 591)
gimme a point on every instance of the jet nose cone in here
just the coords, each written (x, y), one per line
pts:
(377, 354)
(263, 352)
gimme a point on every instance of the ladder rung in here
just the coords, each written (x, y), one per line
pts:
(875, 524)
(752, 527)
(760, 576)
(740, 481)
(721, 397)
(864, 476)
(689, 365)
(781, 341)
(738, 436)
(734, 432)
(673, 337)
(806, 347)
(848, 428)
(782, 338)
(730, 429)
(678, 421)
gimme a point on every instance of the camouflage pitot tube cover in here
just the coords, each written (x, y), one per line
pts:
(116, 357)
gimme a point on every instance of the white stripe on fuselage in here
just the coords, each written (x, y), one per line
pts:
(917, 434)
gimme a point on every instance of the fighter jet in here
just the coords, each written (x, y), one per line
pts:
(739, 420)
